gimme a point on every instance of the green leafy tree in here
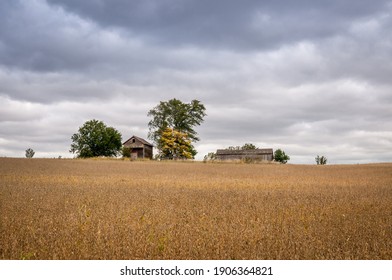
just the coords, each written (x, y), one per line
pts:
(321, 160)
(176, 115)
(248, 146)
(95, 139)
(280, 156)
(30, 153)
(175, 145)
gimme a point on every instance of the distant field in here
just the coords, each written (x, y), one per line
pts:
(114, 209)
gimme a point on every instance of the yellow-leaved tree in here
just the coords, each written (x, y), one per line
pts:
(175, 145)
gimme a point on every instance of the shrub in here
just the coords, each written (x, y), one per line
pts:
(321, 160)
(126, 152)
(30, 153)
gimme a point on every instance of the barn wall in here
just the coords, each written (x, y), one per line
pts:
(256, 155)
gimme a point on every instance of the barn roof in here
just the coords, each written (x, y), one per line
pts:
(140, 140)
(244, 152)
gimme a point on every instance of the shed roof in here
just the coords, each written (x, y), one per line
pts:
(140, 140)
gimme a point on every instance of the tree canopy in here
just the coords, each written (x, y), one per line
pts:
(246, 146)
(177, 116)
(95, 139)
(30, 153)
(175, 145)
(280, 156)
(321, 160)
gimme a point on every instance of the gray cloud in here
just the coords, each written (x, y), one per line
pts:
(225, 24)
(311, 77)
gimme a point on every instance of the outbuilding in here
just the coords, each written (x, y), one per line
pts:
(254, 155)
(140, 148)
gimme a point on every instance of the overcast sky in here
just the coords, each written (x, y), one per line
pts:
(309, 77)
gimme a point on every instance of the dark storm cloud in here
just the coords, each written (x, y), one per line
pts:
(37, 37)
(48, 42)
(248, 24)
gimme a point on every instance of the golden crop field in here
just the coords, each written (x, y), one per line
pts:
(115, 209)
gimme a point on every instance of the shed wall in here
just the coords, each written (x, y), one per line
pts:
(139, 149)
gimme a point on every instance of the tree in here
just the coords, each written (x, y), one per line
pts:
(280, 156)
(30, 153)
(210, 157)
(175, 145)
(321, 160)
(126, 152)
(248, 146)
(178, 116)
(95, 139)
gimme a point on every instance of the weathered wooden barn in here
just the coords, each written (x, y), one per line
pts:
(254, 155)
(140, 148)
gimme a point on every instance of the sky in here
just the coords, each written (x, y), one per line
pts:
(308, 77)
